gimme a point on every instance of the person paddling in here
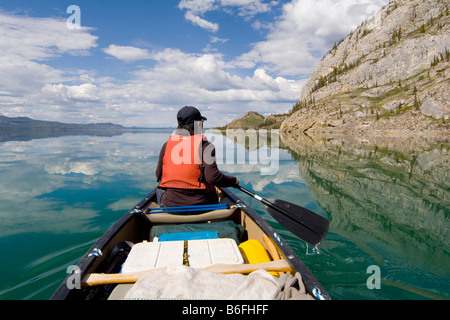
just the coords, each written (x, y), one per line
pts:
(187, 171)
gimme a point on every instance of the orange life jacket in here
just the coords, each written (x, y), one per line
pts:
(182, 163)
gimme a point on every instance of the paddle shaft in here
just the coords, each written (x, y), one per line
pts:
(261, 199)
(96, 279)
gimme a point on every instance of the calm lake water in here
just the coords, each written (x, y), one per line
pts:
(387, 200)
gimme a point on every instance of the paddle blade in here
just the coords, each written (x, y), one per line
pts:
(302, 222)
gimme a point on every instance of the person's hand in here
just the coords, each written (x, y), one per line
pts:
(237, 182)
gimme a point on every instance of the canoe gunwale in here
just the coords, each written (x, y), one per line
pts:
(89, 263)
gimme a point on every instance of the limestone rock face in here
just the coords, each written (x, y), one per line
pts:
(391, 74)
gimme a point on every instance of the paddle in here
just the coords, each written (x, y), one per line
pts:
(96, 279)
(302, 222)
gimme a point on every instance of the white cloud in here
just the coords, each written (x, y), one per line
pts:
(297, 40)
(31, 88)
(61, 92)
(154, 94)
(41, 38)
(204, 80)
(248, 7)
(306, 30)
(218, 40)
(197, 8)
(19, 76)
(26, 43)
(127, 53)
(202, 23)
(170, 78)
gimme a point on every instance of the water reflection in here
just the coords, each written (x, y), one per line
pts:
(27, 134)
(387, 199)
(46, 183)
(388, 195)
(58, 195)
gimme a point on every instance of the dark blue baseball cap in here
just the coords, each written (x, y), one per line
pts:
(189, 114)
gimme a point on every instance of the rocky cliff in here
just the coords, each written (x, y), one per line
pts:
(391, 74)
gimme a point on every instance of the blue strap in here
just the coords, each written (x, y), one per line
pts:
(208, 207)
(218, 205)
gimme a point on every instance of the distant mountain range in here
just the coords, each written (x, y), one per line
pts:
(24, 123)
(25, 129)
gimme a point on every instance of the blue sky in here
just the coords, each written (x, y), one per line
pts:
(137, 62)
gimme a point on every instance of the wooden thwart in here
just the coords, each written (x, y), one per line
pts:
(96, 279)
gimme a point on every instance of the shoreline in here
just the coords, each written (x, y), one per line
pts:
(365, 132)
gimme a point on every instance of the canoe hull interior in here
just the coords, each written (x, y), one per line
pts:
(135, 227)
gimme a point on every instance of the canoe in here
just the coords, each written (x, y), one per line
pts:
(114, 264)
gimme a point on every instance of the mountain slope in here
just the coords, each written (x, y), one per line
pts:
(254, 120)
(391, 74)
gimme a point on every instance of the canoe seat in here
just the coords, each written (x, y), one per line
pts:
(181, 218)
(224, 229)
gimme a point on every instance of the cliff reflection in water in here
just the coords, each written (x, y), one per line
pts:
(393, 190)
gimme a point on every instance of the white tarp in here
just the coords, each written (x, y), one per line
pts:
(183, 282)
